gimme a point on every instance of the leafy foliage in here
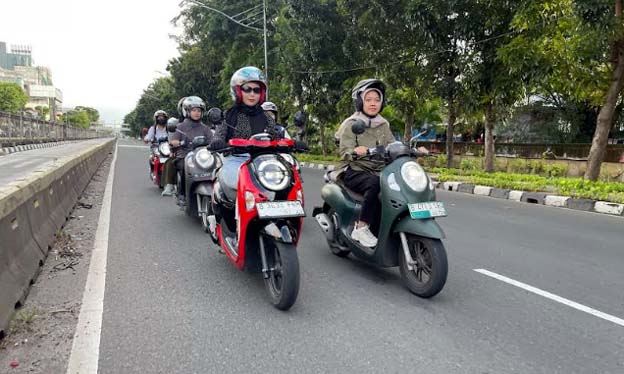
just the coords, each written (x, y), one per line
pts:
(12, 97)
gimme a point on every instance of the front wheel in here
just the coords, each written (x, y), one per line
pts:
(429, 268)
(206, 209)
(283, 281)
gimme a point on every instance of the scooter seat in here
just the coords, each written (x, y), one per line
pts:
(354, 195)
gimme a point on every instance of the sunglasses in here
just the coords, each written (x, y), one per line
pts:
(247, 89)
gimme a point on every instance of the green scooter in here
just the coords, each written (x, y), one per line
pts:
(408, 235)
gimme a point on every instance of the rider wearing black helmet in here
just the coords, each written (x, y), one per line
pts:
(193, 109)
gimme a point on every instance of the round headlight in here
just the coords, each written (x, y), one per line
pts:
(164, 149)
(204, 159)
(273, 175)
(414, 176)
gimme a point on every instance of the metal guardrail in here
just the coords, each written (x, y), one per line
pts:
(18, 129)
(614, 153)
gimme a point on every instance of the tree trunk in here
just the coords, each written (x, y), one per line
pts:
(605, 117)
(449, 134)
(409, 125)
(323, 145)
(489, 138)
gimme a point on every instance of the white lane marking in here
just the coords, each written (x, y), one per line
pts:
(548, 295)
(132, 146)
(84, 358)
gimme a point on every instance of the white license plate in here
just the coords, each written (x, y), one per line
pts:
(280, 209)
(427, 210)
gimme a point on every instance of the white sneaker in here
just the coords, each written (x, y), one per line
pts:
(364, 236)
(168, 191)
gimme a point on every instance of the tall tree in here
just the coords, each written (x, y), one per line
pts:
(12, 97)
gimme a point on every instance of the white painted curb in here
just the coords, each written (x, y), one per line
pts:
(515, 195)
(451, 186)
(554, 200)
(609, 208)
(482, 190)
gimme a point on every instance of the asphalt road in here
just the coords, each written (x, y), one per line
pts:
(173, 304)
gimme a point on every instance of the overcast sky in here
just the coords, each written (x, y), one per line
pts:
(102, 53)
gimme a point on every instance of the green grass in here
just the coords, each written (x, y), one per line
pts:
(573, 187)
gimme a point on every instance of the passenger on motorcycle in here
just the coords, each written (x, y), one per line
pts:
(271, 109)
(192, 127)
(170, 169)
(362, 174)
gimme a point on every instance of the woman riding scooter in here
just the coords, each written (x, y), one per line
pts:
(362, 175)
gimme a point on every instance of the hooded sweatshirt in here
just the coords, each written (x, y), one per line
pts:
(377, 133)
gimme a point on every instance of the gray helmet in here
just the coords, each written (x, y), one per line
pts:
(160, 113)
(191, 102)
(366, 84)
(246, 75)
(269, 106)
(180, 109)
(172, 124)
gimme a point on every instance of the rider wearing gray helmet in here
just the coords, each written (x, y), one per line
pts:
(193, 109)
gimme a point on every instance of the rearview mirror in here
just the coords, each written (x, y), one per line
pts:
(215, 115)
(358, 127)
(300, 119)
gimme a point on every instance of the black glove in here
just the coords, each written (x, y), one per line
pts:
(216, 144)
(301, 146)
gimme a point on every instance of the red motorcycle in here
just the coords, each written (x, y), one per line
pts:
(258, 205)
(160, 152)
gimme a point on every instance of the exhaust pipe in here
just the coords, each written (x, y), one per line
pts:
(326, 225)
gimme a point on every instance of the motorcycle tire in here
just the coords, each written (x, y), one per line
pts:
(431, 261)
(206, 208)
(283, 282)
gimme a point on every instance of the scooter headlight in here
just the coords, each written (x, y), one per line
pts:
(414, 176)
(204, 159)
(273, 175)
(164, 149)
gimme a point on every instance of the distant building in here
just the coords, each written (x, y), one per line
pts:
(18, 56)
(16, 66)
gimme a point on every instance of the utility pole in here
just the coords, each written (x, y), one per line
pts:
(266, 59)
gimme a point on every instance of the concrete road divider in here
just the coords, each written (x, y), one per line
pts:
(32, 210)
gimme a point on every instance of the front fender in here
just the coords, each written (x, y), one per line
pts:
(204, 189)
(427, 228)
(280, 233)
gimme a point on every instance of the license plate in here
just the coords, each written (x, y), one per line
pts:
(280, 209)
(427, 210)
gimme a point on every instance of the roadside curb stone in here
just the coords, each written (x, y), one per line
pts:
(500, 193)
(581, 204)
(609, 208)
(516, 195)
(482, 190)
(557, 201)
(533, 198)
(466, 187)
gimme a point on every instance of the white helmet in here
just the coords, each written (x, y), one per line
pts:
(269, 106)
(246, 75)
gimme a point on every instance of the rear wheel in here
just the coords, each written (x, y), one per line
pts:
(429, 268)
(283, 281)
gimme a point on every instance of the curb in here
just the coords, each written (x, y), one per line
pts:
(537, 198)
(28, 147)
(312, 165)
(32, 209)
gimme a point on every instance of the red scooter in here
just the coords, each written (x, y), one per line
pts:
(160, 152)
(258, 205)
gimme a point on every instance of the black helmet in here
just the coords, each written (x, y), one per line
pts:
(364, 85)
(191, 102)
(172, 124)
